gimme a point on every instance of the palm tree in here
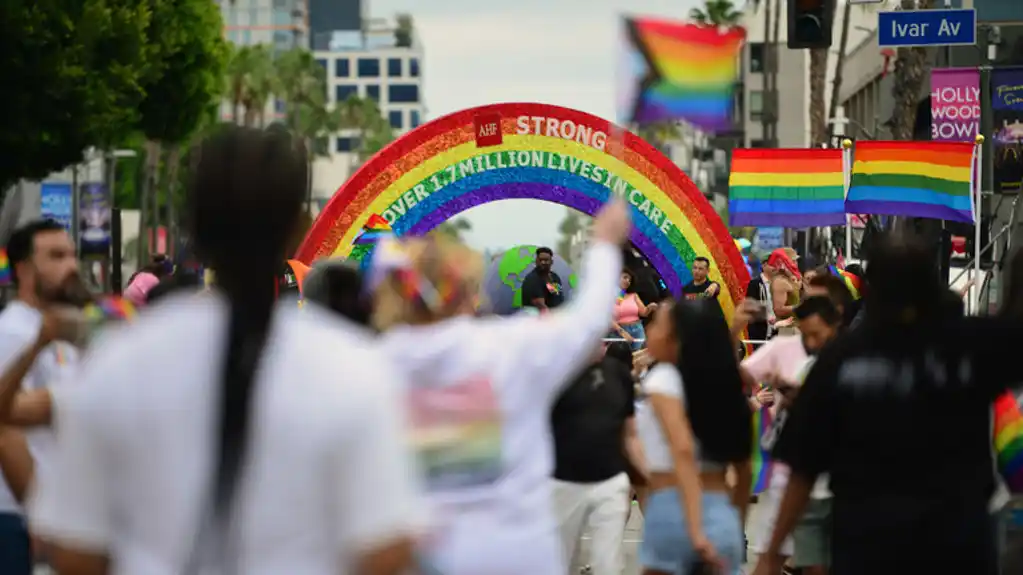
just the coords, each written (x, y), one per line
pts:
(314, 122)
(836, 84)
(300, 81)
(260, 83)
(818, 79)
(660, 134)
(403, 31)
(454, 228)
(716, 13)
(362, 115)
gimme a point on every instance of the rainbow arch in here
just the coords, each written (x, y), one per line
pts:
(533, 151)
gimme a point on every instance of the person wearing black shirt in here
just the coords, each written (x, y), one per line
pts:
(897, 411)
(701, 286)
(542, 287)
(594, 433)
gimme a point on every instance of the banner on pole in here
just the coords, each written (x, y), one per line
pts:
(1007, 104)
(955, 104)
(95, 220)
(55, 203)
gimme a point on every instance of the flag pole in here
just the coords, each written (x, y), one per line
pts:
(846, 180)
(979, 165)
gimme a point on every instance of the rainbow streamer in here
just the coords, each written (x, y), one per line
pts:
(110, 309)
(1009, 441)
(682, 72)
(761, 459)
(5, 269)
(376, 227)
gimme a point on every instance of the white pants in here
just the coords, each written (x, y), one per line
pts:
(604, 508)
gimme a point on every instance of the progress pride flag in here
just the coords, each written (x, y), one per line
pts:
(955, 104)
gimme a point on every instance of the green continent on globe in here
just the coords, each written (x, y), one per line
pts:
(512, 269)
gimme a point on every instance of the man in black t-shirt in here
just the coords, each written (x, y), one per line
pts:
(898, 412)
(592, 424)
(542, 287)
(701, 286)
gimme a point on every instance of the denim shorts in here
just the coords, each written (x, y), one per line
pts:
(666, 545)
(638, 334)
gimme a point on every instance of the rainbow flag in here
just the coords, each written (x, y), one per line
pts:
(761, 459)
(852, 281)
(913, 179)
(791, 188)
(376, 227)
(1009, 441)
(679, 71)
(5, 269)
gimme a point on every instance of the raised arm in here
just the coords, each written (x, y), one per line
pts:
(560, 343)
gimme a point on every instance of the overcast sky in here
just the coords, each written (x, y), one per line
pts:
(548, 51)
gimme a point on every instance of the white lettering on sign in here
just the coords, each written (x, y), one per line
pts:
(955, 113)
(564, 129)
(909, 30)
(489, 129)
(948, 28)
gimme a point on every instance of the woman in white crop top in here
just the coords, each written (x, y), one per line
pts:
(698, 427)
(481, 392)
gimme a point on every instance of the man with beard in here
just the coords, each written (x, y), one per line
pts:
(781, 363)
(542, 288)
(45, 273)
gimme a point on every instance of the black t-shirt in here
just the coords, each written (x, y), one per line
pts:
(692, 290)
(901, 419)
(550, 289)
(588, 422)
(757, 290)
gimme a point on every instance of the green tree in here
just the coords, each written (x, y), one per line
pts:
(252, 77)
(403, 31)
(363, 116)
(660, 134)
(189, 59)
(454, 228)
(314, 121)
(72, 74)
(716, 13)
(570, 225)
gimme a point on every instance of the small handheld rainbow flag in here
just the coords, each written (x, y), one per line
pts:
(104, 310)
(913, 179)
(761, 460)
(5, 269)
(376, 227)
(792, 188)
(852, 281)
(1009, 441)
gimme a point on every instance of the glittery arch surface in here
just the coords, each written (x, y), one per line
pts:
(541, 152)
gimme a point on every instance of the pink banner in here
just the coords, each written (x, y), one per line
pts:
(955, 104)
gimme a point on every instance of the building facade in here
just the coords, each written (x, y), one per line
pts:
(368, 64)
(283, 24)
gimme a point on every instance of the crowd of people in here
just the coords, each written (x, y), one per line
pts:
(385, 427)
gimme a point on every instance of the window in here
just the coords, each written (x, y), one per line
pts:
(373, 92)
(756, 58)
(283, 40)
(394, 67)
(413, 117)
(344, 91)
(253, 16)
(349, 144)
(756, 104)
(403, 93)
(246, 37)
(395, 118)
(413, 67)
(342, 68)
(282, 17)
(369, 68)
(322, 62)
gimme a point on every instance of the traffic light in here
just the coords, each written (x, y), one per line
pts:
(810, 23)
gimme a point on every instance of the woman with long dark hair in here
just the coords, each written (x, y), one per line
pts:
(222, 433)
(698, 428)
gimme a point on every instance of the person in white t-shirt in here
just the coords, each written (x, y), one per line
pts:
(221, 433)
(783, 363)
(45, 272)
(481, 392)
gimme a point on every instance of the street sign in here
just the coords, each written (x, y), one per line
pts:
(906, 28)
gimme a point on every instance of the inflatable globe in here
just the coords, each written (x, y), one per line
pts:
(502, 282)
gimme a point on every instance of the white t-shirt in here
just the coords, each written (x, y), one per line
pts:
(662, 379)
(19, 328)
(481, 392)
(327, 471)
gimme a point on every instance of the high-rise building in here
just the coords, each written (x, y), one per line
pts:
(283, 24)
(329, 16)
(368, 64)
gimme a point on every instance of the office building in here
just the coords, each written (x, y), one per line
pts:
(368, 64)
(283, 24)
(329, 16)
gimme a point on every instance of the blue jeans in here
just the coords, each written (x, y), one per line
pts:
(637, 332)
(15, 545)
(666, 546)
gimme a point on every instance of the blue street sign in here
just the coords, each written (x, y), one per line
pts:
(927, 28)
